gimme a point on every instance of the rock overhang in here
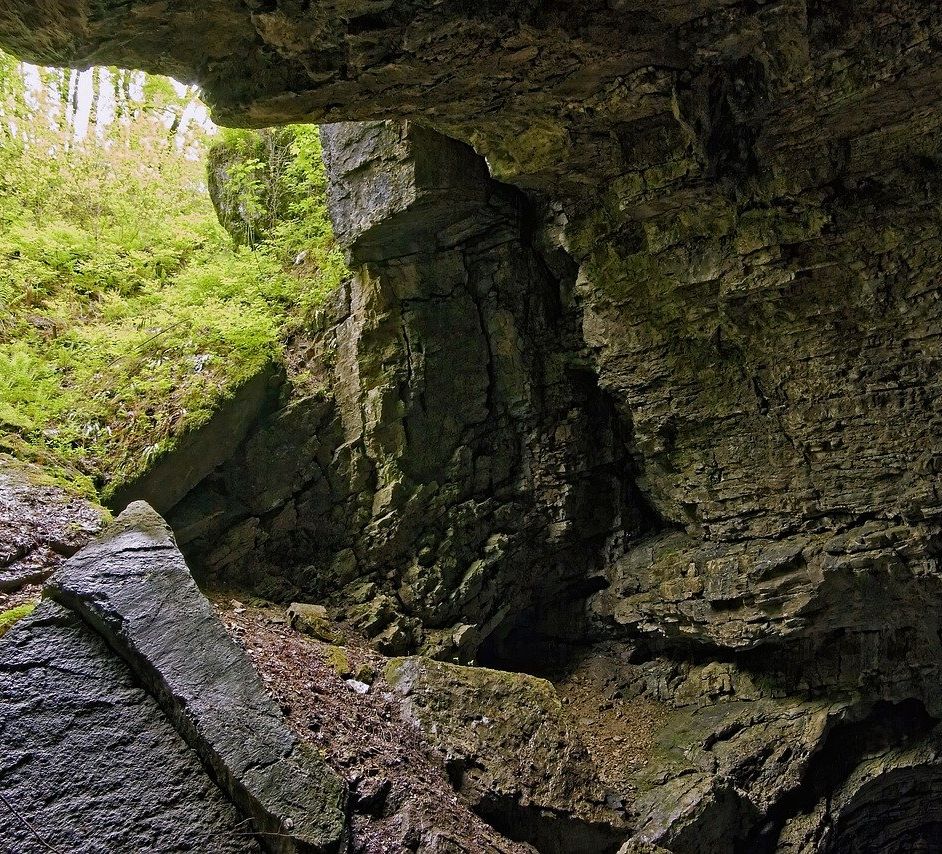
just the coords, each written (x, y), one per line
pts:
(734, 164)
(756, 192)
(556, 95)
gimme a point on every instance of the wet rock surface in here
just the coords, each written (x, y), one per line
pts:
(89, 760)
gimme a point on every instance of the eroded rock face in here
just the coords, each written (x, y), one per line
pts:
(888, 802)
(696, 365)
(511, 751)
(739, 760)
(462, 466)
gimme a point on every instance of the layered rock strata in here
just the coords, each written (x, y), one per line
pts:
(460, 466)
(730, 231)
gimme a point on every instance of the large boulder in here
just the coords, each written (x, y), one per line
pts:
(512, 751)
(199, 451)
(117, 696)
(88, 759)
(133, 586)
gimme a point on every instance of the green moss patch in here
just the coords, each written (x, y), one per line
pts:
(127, 312)
(9, 618)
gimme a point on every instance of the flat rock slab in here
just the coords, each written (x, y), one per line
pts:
(133, 586)
(88, 758)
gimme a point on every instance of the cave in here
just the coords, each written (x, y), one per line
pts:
(634, 385)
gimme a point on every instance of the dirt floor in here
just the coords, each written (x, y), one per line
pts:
(401, 795)
(399, 784)
(617, 730)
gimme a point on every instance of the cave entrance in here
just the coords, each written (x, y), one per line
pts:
(152, 265)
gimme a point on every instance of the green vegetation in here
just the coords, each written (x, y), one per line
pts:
(127, 313)
(268, 187)
(8, 618)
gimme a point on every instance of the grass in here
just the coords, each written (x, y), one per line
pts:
(127, 314)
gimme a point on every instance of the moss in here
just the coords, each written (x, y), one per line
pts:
(626, 278)
(393, 670)
(713, 219)
(127, 317)
(366, 672)
(773, 226)
(336, 658)
(467, 678)
(9, 618)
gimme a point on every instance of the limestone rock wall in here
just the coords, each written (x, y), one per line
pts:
(462, 464)
(682, 363)
(749, 192)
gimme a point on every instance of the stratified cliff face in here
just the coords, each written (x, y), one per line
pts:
(665, 377)
(461, 467)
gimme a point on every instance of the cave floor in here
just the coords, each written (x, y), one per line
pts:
(398, 781)
(335, 697)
